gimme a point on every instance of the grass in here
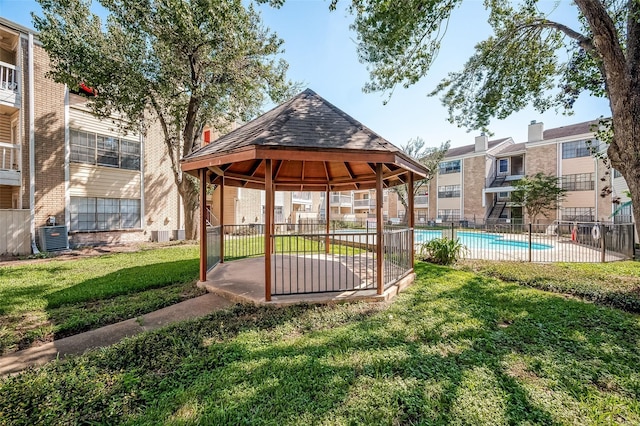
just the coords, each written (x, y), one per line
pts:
(57, 298)
(615, 284)
(455, 348)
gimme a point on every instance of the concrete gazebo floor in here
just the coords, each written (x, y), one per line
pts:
(242, 281)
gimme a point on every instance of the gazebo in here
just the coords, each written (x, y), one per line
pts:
(308, 144)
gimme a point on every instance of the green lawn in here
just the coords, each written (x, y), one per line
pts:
(615, 284)
(52, 299)
(455, 348)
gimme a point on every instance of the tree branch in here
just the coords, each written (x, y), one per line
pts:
(585, 42)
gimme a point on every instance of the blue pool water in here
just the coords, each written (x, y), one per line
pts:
(480, 240)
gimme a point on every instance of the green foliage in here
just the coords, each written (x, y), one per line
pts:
(178, 63)
(613, 284)
(455, 348)
(442, 251)
(430, 157)
(538, 194)
(58, 298)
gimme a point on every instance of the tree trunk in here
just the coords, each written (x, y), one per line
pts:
(621, 71)
(188, 191)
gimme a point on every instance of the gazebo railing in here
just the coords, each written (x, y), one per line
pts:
(213, 246)
(302, 263)
(307, 259)
(397, 254)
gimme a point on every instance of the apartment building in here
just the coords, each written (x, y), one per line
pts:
(456, 193)
(475, 182)
(61, 166)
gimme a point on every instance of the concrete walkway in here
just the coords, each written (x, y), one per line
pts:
(105, 336)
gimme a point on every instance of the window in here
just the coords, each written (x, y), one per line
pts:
(578, 214)
(448, 215)
(579, 182)
(503, 195)
(102, 150)
(576, 149)
(623, 215)
(503, 165)
(104, 214)
(447, 167)
(129, 155)
(449, 191)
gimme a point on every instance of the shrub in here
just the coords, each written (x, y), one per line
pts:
(442, 251)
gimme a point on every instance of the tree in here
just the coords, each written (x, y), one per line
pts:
(538, 194)
(522, 63)
(181, 63)
(430, 157)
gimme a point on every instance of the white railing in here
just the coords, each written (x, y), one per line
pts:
(301, 197)
(9, 156)
(8, 77)
(364, 203)
(340, 199)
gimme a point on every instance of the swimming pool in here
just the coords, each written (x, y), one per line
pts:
(480, 240)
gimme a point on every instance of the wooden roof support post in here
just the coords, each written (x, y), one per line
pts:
(379, 242)
(203, 225)
(268, 219)
(327, 217)
(221, 188)
(411, 218)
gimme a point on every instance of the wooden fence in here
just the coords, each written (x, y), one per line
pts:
(15, 232)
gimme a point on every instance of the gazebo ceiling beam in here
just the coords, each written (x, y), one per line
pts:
(326, 171)
(349, 171)
(217, 170)
(254, 167)
(277, 169)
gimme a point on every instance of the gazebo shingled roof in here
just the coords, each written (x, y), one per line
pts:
(313, 145)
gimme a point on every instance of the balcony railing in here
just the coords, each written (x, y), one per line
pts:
(339, 199)
(301, 197)
(364, 203)
(8, 77)
(9, 156)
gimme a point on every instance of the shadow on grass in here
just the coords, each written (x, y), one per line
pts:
(445, 351)
(126, 281)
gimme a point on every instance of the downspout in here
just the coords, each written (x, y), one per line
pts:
(67, 156)
(32, 147)
(143, 157)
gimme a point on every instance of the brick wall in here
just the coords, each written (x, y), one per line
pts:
(542, 159)
(162, 203)
(474, 176)
(49, 143)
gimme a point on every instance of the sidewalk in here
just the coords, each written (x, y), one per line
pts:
(105, 336)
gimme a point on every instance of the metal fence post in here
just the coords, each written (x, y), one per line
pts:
(603, 244)
(530, 245)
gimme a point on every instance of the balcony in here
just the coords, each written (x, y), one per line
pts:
(339, 200)
(299, 197)
(421, 201)
(9, 164)
(364, 203)
(9, 85)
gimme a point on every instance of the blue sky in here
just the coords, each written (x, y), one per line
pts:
(321, 51)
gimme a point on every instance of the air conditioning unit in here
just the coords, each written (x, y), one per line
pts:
(178, 234)
(160, 236)
(53, 238)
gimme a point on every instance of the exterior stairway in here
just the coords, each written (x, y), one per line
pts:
(496, 211)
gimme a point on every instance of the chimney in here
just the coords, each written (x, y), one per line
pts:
(482, 142)
(535, 131)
